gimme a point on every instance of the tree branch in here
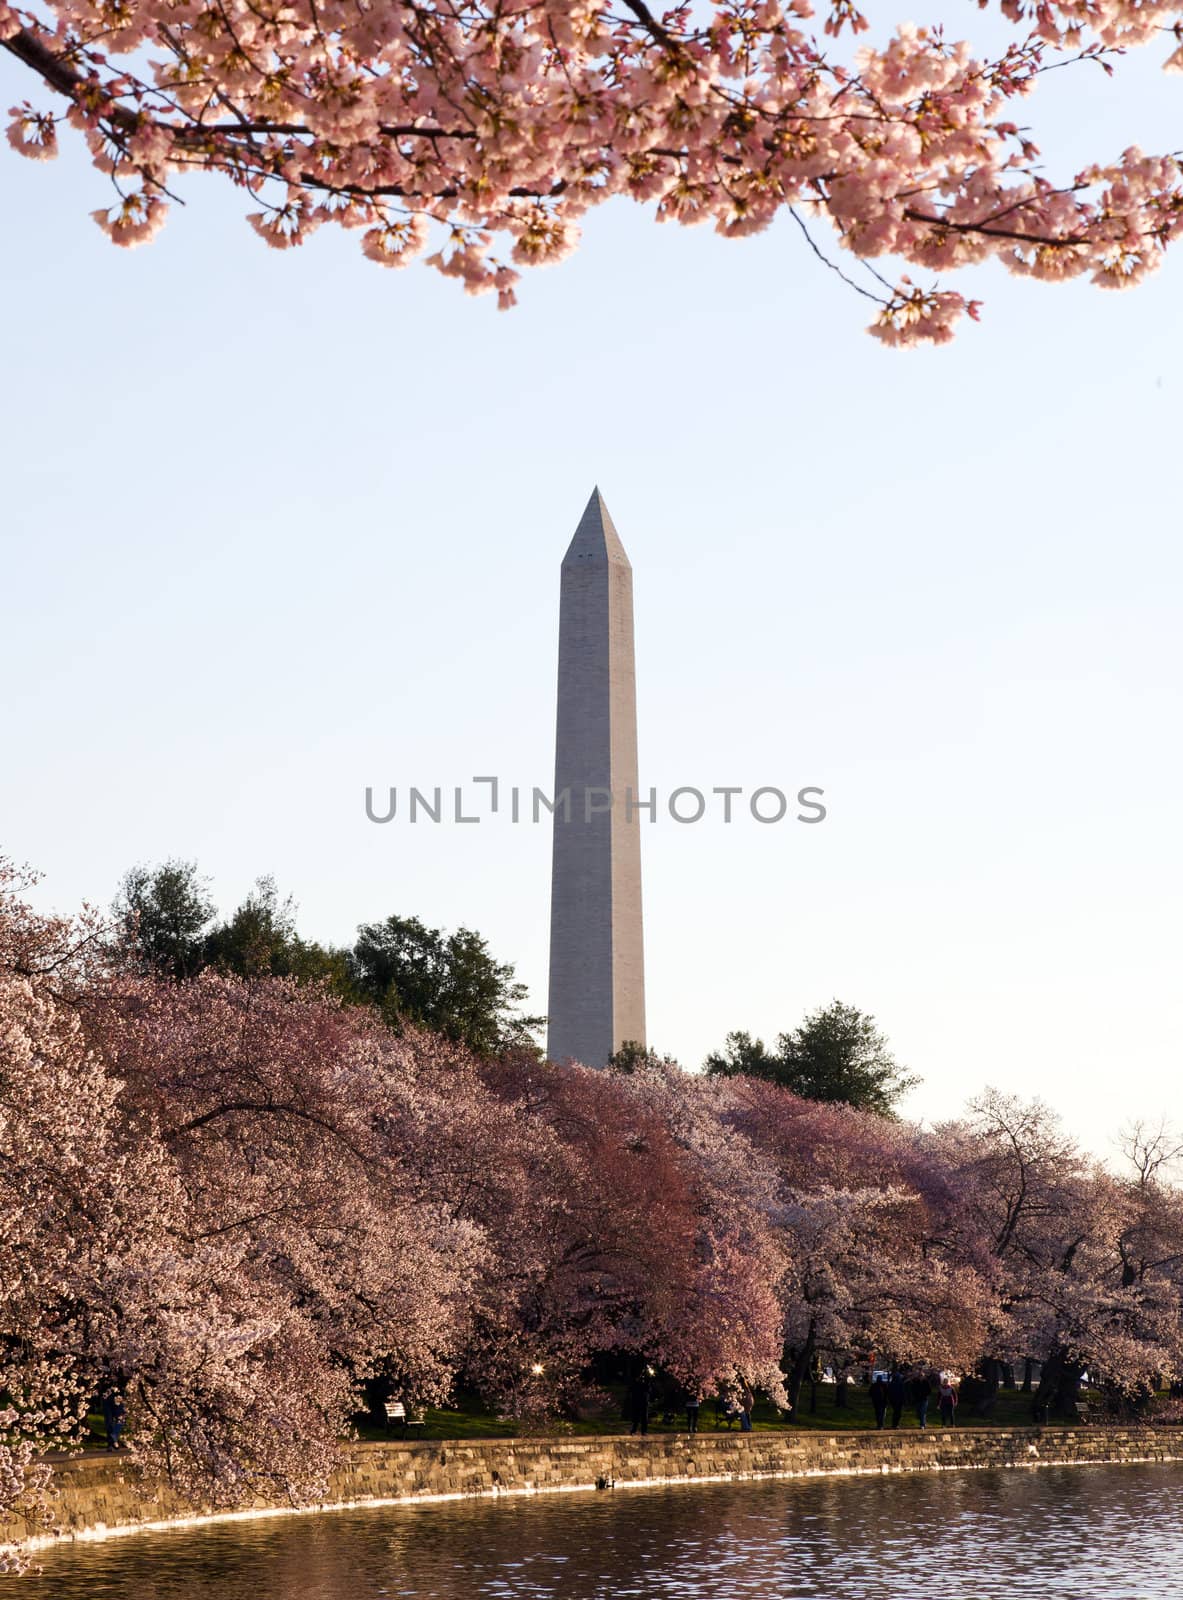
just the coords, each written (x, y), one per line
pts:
(56, 72)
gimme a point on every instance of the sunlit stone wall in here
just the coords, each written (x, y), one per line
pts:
(99, 1494)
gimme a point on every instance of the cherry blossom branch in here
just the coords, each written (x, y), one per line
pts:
(56, 72)
(497, 129)
(826, 262)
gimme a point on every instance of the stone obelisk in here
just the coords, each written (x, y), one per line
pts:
(597, 974)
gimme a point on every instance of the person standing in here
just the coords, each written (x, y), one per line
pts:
(693, 1402)
(747, 1401)
(114, 1415)
(879, 1398)
(897, 1393)
(921, 1395)
(947, 1396)
(639, 1396)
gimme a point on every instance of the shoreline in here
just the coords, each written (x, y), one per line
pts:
(100, 1499)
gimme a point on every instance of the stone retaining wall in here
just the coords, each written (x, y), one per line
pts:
(99, 1495)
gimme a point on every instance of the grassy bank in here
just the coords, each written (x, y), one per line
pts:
(468, 1419)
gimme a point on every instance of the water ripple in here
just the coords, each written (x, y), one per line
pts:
(1104, 1533)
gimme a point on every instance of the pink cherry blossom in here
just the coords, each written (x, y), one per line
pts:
(490, 131)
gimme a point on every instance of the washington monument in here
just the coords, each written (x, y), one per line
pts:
(597, 973)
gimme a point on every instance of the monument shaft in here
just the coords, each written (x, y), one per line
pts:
(597, 977)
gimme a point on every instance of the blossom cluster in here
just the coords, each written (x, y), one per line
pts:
(482, 133)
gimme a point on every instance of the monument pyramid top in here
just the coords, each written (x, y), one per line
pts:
(596, 538)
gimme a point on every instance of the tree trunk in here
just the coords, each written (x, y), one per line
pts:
(1028, 1375)
(840, 1383)
(1058, 1393)
(802, 1361)
(376, 1391)
(987, 1387)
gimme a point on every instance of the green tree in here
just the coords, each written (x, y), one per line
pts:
(447, 982)
(260, 940)
(162, 914)
(742, 1054)
(837, 1054)
(633, 1057)
(840, 1053)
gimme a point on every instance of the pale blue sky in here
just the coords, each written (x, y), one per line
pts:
(279, 526)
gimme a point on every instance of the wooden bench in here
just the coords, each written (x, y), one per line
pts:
(397, 1417)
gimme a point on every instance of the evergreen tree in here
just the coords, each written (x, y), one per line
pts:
(260, 940)
(161, 915)
(837, 1054)
(449, 983)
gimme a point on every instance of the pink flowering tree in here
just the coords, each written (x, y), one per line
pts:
(874, 1230)
(85, 1203)
(56, 1111)
(319, 1157)
(482, 133)
(646, 1243)
(1089, 1262)
(727, 1330)
(213, 1199)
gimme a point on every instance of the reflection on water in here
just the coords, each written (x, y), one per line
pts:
(1058, 1533)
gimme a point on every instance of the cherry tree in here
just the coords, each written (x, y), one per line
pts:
(83, 1203)
(729, 1328)
(56, 1107)
(647, 1244)
(208, 1202)
(1150, 1242)
(306, 1136)
(1089, 1263)
(58, 955)
(483, 132)
(873, 1227)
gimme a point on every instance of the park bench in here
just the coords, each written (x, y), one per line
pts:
(397, 1417)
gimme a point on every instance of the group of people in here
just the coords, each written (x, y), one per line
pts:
(640, 1399)
(891, 1392)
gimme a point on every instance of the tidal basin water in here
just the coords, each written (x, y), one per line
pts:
(1056, 1533)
